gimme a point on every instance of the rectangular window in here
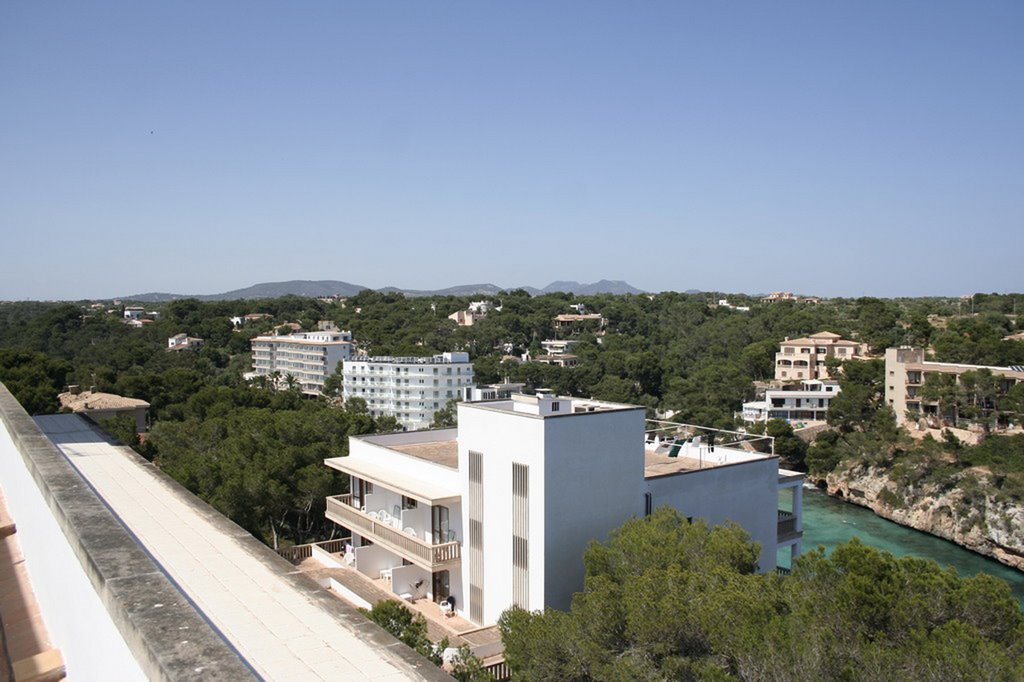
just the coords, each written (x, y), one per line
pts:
(554, 406)
(408, 502)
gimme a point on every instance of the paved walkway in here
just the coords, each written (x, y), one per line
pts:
(276, 627)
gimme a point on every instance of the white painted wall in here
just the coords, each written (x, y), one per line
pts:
(372, 559)
(502, 438)
(77, 621)
(745, 493)
(593, 483)
(586, 476)
(404, 579)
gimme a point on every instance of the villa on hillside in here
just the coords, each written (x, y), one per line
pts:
(804, 358)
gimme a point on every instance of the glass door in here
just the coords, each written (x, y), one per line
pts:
(439, 524)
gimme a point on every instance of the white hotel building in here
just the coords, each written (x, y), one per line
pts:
(310, 357)
(499, 511)
(409, 388)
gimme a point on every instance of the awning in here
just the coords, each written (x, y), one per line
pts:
(396, 479)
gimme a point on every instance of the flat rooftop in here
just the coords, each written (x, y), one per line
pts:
(659, 463)
(443, 452)
(282, 626)
(541, 405)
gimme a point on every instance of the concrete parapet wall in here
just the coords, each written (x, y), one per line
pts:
(108, 606)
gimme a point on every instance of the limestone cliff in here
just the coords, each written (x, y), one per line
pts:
(964, 510)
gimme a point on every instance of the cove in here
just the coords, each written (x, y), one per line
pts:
(829, 522)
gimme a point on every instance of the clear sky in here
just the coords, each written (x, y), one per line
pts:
(821, 147)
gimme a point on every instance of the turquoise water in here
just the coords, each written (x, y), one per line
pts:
(829, 522)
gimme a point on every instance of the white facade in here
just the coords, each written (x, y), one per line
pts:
(310, 357)
(411, 389)
(134, 313)
(806, 401)
(558, 346)
(184, 342)
(500, 510)
(501, 391)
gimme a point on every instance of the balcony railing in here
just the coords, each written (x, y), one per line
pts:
(787, 526)
(423, 554)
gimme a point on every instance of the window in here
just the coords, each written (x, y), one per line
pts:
(555, 406)
(408, 502)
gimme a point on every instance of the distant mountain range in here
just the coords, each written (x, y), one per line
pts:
(319, 288)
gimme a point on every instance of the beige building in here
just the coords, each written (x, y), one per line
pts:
(804, 358)
(569, 321)
(906, 370)
(99, 406)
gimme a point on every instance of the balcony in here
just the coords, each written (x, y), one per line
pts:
(429, 556)
(787, 526)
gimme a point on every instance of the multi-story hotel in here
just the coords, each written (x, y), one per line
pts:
(806, 401)
(310, 357)
(410, 389)
(804, 358)
(499, 510)
(906, 370)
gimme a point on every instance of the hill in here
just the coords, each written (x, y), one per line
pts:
(318, 288)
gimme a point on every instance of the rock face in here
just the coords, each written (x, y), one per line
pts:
(968, 514)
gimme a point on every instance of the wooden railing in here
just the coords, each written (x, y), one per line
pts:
(341, 511)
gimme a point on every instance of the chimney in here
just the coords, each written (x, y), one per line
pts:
(74, 389)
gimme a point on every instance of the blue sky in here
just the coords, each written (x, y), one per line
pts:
(825, 148)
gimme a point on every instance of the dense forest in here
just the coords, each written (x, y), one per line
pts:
(255, 453)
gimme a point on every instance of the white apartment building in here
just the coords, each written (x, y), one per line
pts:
(310, 357)
(806, 401)
(804, 358)
(499, 511)
(906, 370)
(410, 389)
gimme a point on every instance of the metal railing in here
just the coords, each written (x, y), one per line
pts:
(426, 555)
(787, 523)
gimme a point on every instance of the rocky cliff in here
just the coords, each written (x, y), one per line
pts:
(963, 509)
